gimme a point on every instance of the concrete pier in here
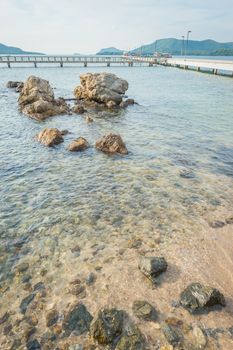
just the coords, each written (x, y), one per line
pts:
(216, 67)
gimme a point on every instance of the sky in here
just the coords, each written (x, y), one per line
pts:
(85, 26)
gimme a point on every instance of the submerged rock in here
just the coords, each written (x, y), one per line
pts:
(33, 345)
(111, 143)
(49, 137)
(79, 144)
(128, 102)
(107, 326)
(77, 320)
(173, 334)
(217, 224)
(78, 109)
(142, 309)
(17, 85)
(25, 302)
(197, 297)
(89, 119)
(37, 99)
(101, 87)
(52, 317)
(152, 267)
(132, 340)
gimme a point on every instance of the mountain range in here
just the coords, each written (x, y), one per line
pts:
(171, 45)
(176, 47)
(11, 50)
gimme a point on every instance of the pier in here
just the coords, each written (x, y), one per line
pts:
(216, 67)
(36, 61)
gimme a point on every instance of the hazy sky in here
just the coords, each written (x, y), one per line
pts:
(85, 26)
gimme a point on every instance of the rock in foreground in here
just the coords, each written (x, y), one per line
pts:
(197, 297)
(132, 340)
(37, 99)
(79, 144)
(111, 143)
(142, 309)
(101, 87)
(107, 326)
(77, 320)
(152, 267)
(50, 137)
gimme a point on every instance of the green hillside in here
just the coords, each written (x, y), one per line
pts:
(174, 47)
(11, 50)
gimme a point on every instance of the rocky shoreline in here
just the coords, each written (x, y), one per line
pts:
(119, 294)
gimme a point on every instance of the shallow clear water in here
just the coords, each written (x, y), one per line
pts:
(183, 124)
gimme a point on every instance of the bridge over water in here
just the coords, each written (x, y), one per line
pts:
(15, 60)
(220, 67)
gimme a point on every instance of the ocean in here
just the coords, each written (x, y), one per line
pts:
(68, 214)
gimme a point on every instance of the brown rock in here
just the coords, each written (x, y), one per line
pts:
(80, 144)
(128, 102)
(111, 143)
(89, 119)
(37, 99)
(52, 317)
(49, 137)
(111, 104)
(78, 109)
(101, 88)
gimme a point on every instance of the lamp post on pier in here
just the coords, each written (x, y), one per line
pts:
(182, 45)
(187, 42)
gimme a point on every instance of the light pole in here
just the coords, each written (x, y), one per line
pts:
(182, 45)
(187, 42)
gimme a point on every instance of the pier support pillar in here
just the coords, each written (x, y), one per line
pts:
(85, 64)
(130, 64)
(198, 69)
(35, 65)
(61, 64)
(215, 71)
(8, 65)
(108, 64)
(150, 64)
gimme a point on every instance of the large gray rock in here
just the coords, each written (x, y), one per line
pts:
(107, 326)
(111, 143)
(197, 297)
(37, 99)
(152, 267)
(101, 87)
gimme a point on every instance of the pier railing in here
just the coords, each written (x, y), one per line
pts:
(11, 60)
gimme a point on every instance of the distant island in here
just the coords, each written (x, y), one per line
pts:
(110, 51)
(11, 50)
(176, 47)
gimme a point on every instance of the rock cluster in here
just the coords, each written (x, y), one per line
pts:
(37, 99)
(102, 88)
(111, 143)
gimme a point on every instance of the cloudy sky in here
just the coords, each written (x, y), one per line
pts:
(85, 26)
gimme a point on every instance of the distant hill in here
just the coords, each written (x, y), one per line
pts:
(11, 50)
(174, 47)
(110, 51)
